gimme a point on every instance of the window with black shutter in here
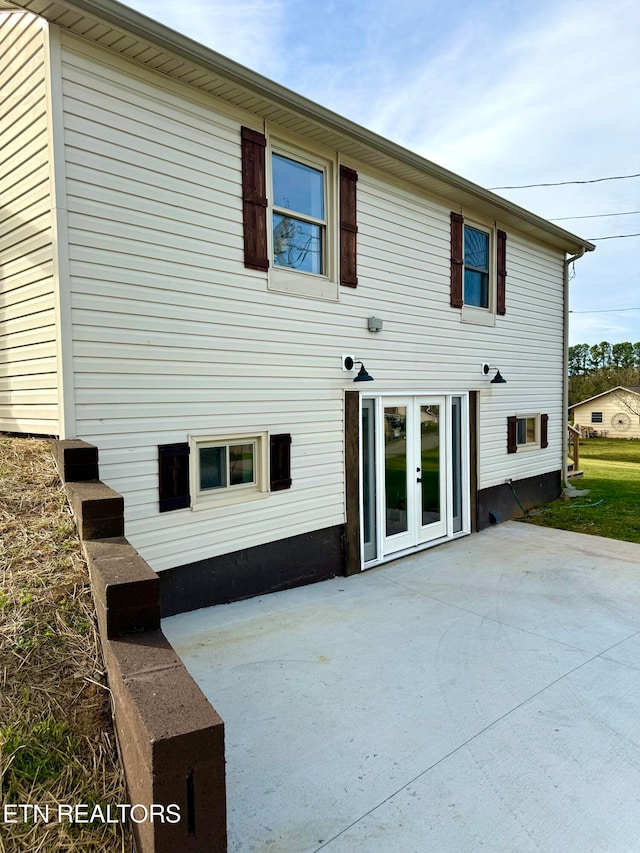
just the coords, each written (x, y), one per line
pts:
(501, 273)
(478, 277)
(348, 227)
(173, 471)
(280, 462)
(457, 261)
(512, 433)
(544, 431)
(254, 199)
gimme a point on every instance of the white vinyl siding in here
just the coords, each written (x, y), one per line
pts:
(175, 339)
(28, 364)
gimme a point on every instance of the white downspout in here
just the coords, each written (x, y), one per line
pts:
(565, 367)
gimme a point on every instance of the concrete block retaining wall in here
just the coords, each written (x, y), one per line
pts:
(171, 739)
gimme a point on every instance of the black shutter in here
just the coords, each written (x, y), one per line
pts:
(280, 462)
(512, 434)
(457, 259)
(348, 227)
(501, 305)
(254, 199)
(173, 469)
(544, 430)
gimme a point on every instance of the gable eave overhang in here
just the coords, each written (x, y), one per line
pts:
(604, 394)
(123, 30)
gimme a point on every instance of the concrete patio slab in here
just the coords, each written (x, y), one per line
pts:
(483, 694)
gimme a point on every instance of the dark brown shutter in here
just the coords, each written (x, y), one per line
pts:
(512, 434)
(254, 199)
(457, 261)
(501, 306)
(544, 430)
(280, 461)
(348, 227)
(173, 469)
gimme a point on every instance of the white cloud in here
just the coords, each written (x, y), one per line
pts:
(249, 31)
(502, 92)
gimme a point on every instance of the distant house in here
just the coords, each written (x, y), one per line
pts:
(614, 413)
(194, 263)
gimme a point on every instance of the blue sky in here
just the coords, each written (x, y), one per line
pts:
(500, 92)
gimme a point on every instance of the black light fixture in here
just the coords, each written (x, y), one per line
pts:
(362, 376)
(498, 379)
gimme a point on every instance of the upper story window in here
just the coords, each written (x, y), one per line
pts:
(478, 270)
(299, 216)
(476, 267)
(596, 417)
(299, 224)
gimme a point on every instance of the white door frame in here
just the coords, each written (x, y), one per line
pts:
(418, 536)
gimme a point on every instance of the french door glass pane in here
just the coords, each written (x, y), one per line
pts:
(395, 469)
(430, 463)
(456, 461)
(368, 479)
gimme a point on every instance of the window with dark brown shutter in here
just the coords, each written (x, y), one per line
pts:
(254, 199)
(544, 430)
(512, 434)
(501, 267)
(457, 260)
(482, 299)
(280, 462)
(348, 227)
(173, 470)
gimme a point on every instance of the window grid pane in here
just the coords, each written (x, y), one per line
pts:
(297, 245)
(526, 431)
(298, 187)
(241, 465)
(476, 267)
(213, 468)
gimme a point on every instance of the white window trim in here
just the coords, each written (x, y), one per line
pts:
(472, 313)
(532, 445)
(324, 286)
(229, 495)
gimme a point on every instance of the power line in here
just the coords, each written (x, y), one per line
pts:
(566, 183)
(605, 311)
(613, 237)
(595, 216)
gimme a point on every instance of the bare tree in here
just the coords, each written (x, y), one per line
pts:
(629, 399)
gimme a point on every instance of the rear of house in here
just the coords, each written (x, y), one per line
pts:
(190, 254)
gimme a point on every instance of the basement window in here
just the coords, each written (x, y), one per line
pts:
(228, 469)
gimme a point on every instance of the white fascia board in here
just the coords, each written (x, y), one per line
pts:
(118, 15)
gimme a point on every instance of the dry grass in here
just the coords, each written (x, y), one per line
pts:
(57, 744)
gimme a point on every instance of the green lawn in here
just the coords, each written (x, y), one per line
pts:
(612, 473)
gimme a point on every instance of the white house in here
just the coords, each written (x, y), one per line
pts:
(613, 414)
(190, 251)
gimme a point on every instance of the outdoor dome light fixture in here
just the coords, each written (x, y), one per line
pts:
(362, 376)
(498, 378)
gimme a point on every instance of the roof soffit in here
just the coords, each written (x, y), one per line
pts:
(139, 38)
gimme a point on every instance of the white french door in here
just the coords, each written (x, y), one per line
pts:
(413, 472)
